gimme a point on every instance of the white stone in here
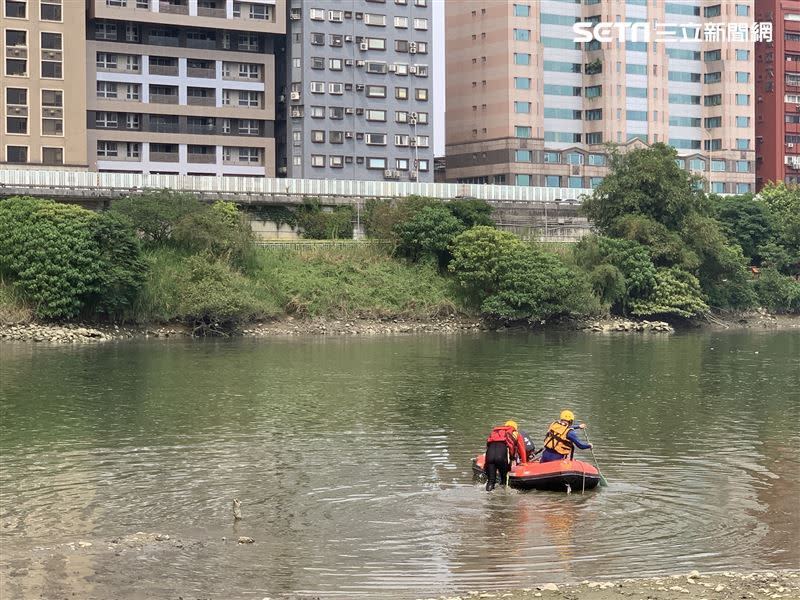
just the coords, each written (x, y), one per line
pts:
(549, 587)
(719, 588)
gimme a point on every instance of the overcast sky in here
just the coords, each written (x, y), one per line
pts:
(438, 79)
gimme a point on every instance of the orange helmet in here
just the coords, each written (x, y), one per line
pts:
(567, 415)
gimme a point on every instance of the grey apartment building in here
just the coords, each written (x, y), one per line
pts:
(182, 87)
(359, 92)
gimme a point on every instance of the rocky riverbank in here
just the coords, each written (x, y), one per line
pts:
(729, 585)
(83, 333)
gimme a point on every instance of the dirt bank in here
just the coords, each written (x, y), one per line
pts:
(81, 333)
(690, 586)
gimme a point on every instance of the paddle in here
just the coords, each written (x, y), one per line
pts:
(603, 481)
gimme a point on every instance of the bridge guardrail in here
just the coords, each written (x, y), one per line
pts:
(94, 183)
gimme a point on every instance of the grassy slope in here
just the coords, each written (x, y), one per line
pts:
(341, 283)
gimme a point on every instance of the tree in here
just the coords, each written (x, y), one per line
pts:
(381, 217)
(480, 256)
(156, 213)
(676, 293)
(777, 292)
(745, 221)
(430, 231)
(471, 212)
(644, 182)
(219, 229)
(508, 279)
(620, 270)
(783, 203)
(62, 257)
(122, 271)
(318, 224)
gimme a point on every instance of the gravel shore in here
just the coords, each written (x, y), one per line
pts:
(82, 333)
(690, 586)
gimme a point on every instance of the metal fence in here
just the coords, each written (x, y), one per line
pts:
(93, 184)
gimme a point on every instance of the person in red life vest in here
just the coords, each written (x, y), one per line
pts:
(562, 438)
(503, 445)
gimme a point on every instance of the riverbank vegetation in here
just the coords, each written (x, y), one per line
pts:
(662, 249)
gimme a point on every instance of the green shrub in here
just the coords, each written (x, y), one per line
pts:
(430, 231)
(318, 224)
(511, 280)
(62, 257)
(676, 293)
(156, 213)
(219, 229)
(471, 212)
(382, 217)
(778, 293)
(214, 298)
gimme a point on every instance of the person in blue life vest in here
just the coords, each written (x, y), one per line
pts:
(503, 446)
(562, 438)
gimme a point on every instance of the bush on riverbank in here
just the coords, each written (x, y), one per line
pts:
(62, 259)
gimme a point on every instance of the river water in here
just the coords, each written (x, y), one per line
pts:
(352, 461)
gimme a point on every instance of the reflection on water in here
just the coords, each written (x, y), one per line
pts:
(352, 461)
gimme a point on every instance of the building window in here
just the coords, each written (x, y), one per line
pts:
(106, 120)
(376, 91)
(336, 161)
(50, 10)
(742, 77)
(335, 64)
(16, 44)
(742, 144)
(317, 136)
(594, 138)
(522, 10)
(401, 93)
(51, 56)
(376, 43)
(522, 107)
(375, 20)
(743, 99)
(522, 83)
(16, 103)
(106, 89)
(377, 67)
(401, 22)
(742, 10)
(375, 139)
(317, 39)
(16, 9)
(376, 115)
(522, 58)
(52, 156)
(336, 113)
(575, 182)
(521, 179)
(594, 91)
(522, 131)
(743, 121)
(336, 88)
(552, 180)
(742, 54)
(107, 149)
(336, 137)
(17, 154)
(401, 164)
(524, 156)
(316, 14)
(376, 163)
(105, 31)
(421, 94)
(401, 140)
(522, 35)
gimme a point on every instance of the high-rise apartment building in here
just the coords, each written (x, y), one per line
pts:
(182, 86)
(359, 91)
(43, 83)
(778, 94)
(529, 105)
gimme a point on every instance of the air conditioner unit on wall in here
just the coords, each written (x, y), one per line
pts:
(412, 70)
(359, 111)
(360, 87)
(363, 46)
(295, 95)
(348, 135)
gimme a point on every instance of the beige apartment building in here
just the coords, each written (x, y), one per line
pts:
(529, 105)
(43, 83)
(183, 87)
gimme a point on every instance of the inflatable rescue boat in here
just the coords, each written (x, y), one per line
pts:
(557, 475)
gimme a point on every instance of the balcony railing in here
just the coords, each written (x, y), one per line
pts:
(202, 11)
(202, 44)
(174, 9)
(202, 158)
(157, 127)
(205, 73)
(164, 156)
(201, 129)
(201, 101)
(163, 98)
(163, 40)
(171, 70)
